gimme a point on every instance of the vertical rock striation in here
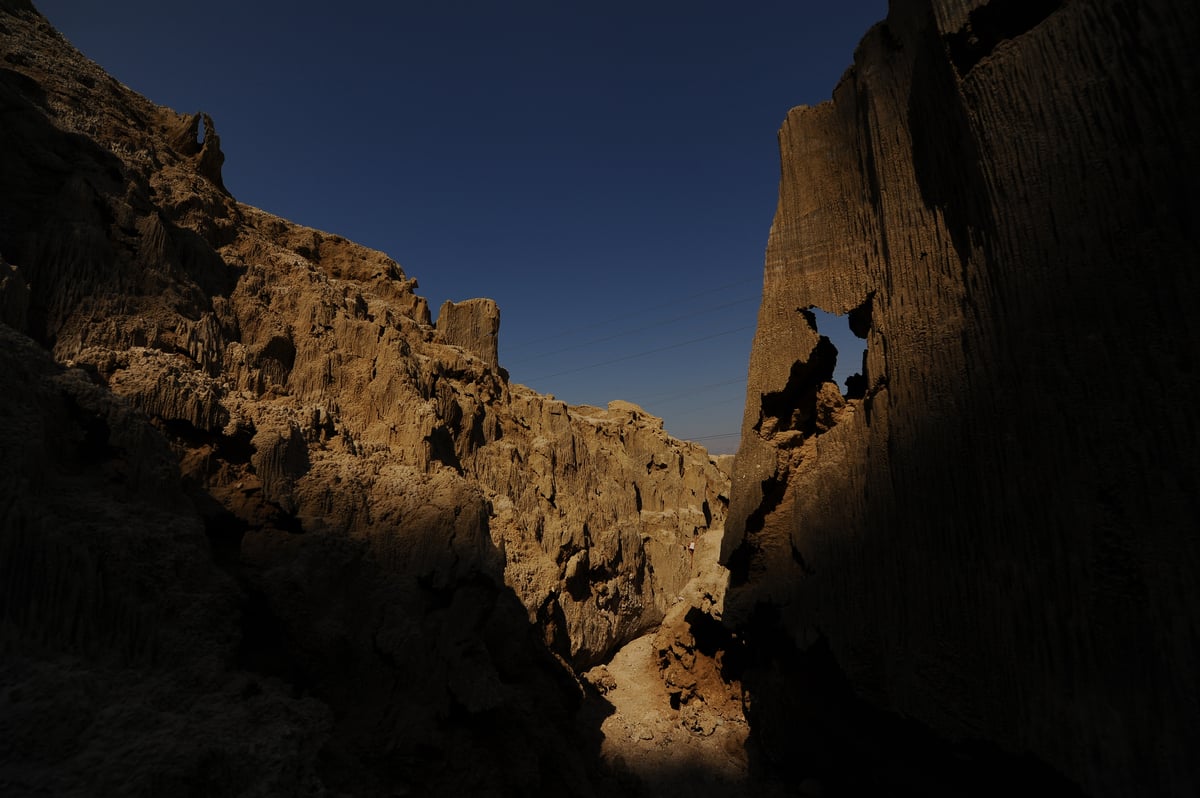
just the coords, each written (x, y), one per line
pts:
(998, 538)
(398, 556)
(474, 325)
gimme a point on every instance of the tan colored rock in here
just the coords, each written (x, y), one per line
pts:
(474, 325)
(119, 628)
(672, 717)
(996, 540)
(205, 147)
(594, 510)
(422, 550)
(163, 386)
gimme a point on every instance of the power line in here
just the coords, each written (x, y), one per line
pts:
(709, 406)
(687, 391)
(574, 330)
(643, 328)
(714, 437)
(644, 353)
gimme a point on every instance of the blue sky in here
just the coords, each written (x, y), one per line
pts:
(607, 172)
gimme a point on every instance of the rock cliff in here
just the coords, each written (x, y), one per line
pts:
(267, 528)
(248, 481)
(993, 534)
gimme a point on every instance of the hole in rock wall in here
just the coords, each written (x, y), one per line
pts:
(846, 333)
(796, 406)
(992, 23)
(808, 403)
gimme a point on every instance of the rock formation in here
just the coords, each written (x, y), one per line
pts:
(474, 325)
(994, 536)
(266, 529)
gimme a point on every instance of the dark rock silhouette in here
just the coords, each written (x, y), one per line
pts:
(996, 542)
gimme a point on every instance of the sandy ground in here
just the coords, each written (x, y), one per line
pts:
(694, 749)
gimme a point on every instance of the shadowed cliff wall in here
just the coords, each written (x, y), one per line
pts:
(382, 559)
(997, 540)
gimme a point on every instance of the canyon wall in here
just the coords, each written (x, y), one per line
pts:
(400, 556)
(993, 533)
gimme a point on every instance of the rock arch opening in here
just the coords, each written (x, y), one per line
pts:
(847, 333)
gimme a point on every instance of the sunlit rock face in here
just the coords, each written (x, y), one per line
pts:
(994, 535)
(400, 551)
(474, 325)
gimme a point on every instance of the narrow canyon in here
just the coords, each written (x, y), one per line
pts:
(271, 527)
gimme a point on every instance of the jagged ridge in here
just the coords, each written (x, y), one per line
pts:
(405, 552)
(996, 539)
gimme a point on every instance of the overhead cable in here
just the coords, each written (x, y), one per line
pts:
(687, 391)
(644, 353)
(672, 303)
(623, 333)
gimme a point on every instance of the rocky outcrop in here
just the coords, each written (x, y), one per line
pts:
(594, 510)
(105, 575)
(403, 556)
(672, 715)
(993, 536)
(204, 147)
(288, 355)
(474, 325)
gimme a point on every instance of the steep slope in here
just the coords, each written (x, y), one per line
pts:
(994, 534)
(403, 550)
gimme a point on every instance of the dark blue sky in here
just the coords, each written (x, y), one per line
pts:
(606, 172)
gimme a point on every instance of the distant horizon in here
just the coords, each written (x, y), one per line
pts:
(607, 176)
